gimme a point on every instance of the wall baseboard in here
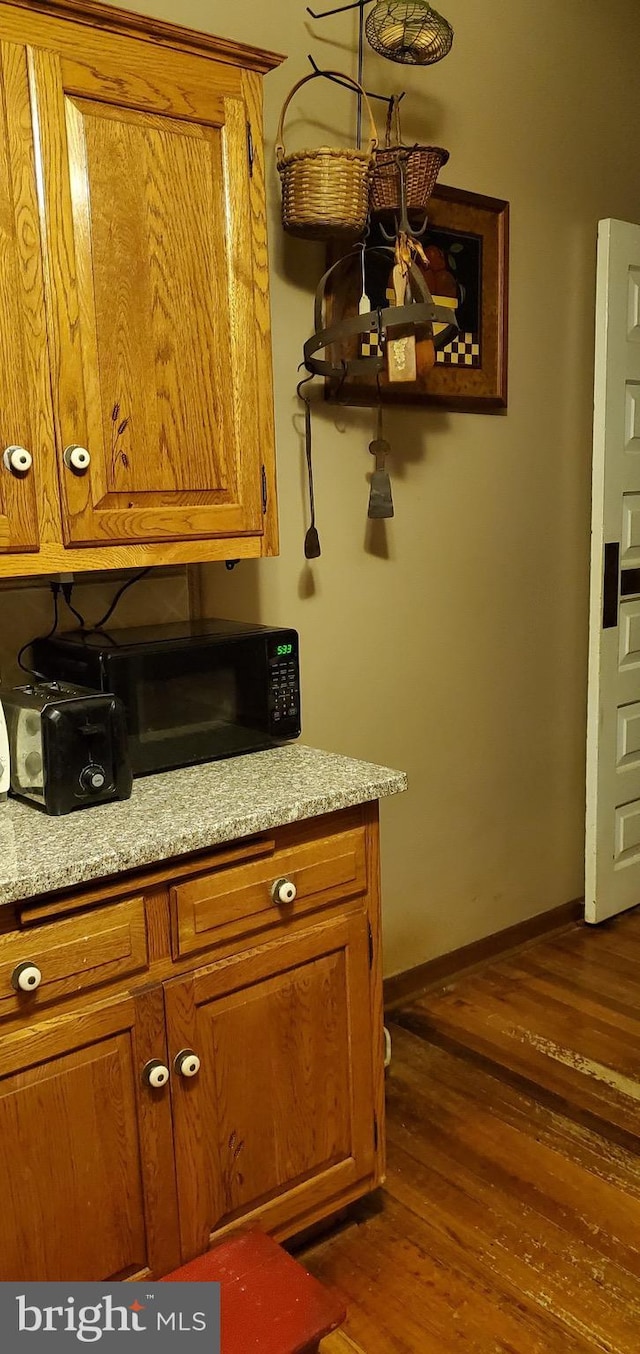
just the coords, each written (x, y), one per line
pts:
(404, 987)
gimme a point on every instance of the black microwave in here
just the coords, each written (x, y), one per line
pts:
(193, 691)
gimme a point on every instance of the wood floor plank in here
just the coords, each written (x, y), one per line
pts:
(425, 1296)
(509, 998)
(568, 1137)
(617, 988)
(515, 1250)
(433, 1097)
(510, 1218)
(618, 933)
(576, 1004)
(339, 1343)
(586, 1064)
(619, 951)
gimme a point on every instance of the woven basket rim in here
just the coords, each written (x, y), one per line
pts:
(319, 152)
(392, 151)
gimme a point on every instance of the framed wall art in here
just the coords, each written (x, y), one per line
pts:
(467, 249)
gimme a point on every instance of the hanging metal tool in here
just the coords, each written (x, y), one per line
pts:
(312, 540)
(380, 496)
(402, 223)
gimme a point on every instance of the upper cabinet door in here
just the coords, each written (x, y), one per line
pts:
(146, 199)
(25, 418)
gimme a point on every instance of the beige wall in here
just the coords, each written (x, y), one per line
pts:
(454, 644)
(462, 656)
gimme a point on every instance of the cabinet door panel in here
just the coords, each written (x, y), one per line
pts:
(162, 379)
(279, 1119)
(78, 1148)
(25, 415)
(150, 277)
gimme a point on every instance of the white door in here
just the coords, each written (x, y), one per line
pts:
(613, 737)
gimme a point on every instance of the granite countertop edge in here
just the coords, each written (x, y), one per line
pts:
(103, 859)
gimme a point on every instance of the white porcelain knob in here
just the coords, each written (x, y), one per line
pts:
(18, 460)
(284, 891)
(26, 977)
(77, 459)
(155, 1073)
(187, 1063)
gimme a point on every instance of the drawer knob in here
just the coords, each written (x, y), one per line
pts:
(284, 891)
(155, 1073)
(17, 460)
(26, 977)
(187, 1063)
(77, 459)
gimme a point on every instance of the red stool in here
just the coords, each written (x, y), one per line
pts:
(269, 1303)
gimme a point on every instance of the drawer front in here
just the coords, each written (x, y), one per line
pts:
(237, 902)
(72, 955)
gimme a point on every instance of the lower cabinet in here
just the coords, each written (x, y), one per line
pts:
(86, 1176)
(279, 1117)
(151, 1100)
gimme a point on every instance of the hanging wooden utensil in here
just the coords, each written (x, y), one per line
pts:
(364, 305)
(401, 342)
(369, 342)
(380, 497)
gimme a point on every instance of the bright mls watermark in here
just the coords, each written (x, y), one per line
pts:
(162, 1318)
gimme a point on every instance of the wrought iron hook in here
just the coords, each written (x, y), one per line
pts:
(342, 9)
(335, 79)
(402, 225)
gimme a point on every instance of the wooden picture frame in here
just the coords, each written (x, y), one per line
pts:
(471, 232)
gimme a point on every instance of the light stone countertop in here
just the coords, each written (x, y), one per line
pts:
(177, 812)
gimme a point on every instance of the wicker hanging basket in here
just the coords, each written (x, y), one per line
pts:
(421, 166)
(409, 31)
(325, 192)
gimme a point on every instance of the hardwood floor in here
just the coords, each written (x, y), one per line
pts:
(339, 1343)
(510, 1218)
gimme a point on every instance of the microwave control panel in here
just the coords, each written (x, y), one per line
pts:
(284, 688)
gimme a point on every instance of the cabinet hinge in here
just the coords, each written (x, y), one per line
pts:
(375, 1132)
(370, 943)
(265, 491)
(251, 153)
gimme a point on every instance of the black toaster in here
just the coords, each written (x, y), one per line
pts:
(67, 746)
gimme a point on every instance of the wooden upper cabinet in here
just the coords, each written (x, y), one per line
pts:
(25, 410)
(146, 180)
(133, 206)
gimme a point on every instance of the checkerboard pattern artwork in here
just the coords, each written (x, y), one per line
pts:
(370, 345)
(463, 351)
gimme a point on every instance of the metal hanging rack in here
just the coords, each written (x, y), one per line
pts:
(384, 98)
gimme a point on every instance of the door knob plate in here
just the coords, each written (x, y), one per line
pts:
(26, 977)
(77, 459)
(284, 891)
(187, 1063)
(155, 1074)
(17, 460)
